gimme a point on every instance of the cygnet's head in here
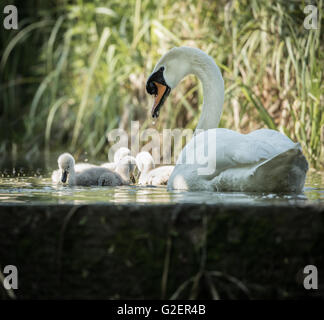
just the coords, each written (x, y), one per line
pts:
(66, 164)
(126, 168)
(144, 161)
(121, 153)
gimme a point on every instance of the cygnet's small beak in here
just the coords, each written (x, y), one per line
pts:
(132, 178)
(136, 174)
(64, 176)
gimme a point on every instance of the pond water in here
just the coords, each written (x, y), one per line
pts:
(37, 189)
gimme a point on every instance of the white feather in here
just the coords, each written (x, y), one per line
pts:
(263, 160)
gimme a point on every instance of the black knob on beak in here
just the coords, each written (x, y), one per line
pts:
(158, 77)
(151, 88)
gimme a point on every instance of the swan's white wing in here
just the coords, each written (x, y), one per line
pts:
(230, 149)
(241, 162)
(276, 141)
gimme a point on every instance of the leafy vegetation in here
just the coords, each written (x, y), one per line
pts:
(76, 69)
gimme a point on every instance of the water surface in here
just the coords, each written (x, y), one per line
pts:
(36, 189)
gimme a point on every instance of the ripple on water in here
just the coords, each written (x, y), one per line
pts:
(40, 190)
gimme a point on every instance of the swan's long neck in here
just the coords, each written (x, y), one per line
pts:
(144, 173)
(146, 168)
(204, 67)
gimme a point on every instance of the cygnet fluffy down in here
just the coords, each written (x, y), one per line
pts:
(149, 175)
(93, 175)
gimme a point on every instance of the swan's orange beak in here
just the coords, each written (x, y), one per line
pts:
(161, 89)
(157, 86)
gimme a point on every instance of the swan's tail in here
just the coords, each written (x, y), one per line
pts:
(285, 172)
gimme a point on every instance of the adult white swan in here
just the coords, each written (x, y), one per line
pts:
(220, 159)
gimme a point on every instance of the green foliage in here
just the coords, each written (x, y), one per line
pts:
(76, 69)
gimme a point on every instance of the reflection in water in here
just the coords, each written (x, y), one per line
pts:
(39, 190)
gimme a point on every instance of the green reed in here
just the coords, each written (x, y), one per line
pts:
(76, 70)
